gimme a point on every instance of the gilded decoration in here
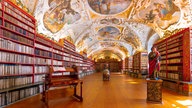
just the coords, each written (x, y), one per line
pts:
(26, 5)
(69, 39)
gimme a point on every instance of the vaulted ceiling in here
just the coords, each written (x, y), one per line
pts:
(109, 27)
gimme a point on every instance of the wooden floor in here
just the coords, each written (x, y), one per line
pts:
(121, 91)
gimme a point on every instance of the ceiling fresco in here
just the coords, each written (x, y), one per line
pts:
(162, 12)
(125, 26)
(108, 7)
(108, 32)
(59, 13)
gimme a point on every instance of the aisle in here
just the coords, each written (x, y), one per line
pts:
(120, 92)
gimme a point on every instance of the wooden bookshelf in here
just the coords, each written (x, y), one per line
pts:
(17, 36)
(176, 61)
(114, 65)
(125, 65)
(25, 56)
(140, 64)
(130, 64)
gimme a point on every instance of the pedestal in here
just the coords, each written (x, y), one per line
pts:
(154, 91)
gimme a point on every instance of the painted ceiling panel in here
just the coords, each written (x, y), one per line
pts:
(108, 7)
(98, 25)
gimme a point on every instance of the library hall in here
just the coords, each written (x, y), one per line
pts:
(95, 54)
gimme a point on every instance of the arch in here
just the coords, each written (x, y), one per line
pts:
(151, 41)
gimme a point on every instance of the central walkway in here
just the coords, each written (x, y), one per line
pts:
(121, 91)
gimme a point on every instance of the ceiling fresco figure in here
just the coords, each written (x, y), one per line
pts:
(162, 13)
(109, 6)
(58, 15)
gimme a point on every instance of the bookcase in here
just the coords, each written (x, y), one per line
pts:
(25, 56)
(17, 39)
(85, 66)
(176, 61)
(130, 64)
(140, 64)
(89, 67)
(114, 65)
(125, 65)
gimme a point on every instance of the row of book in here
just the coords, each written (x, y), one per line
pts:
(171, 68)
(161, 49)
(174, 41)
(163, 61)
(61, 74)
(19, 23)
(163, 67)
(12, 69)
(43, 47)
(55, 62)
(16, 37)
(144, 68)
(58, 57)
(15, 58)
(163, 52)
(130, 62)
(14, 82)
(7, 44)
(72, 56)
(43, 53)
(174, 68)
(3, 99)
(41, 69)
(174, 45)
(13, 96)
(176, 60)
(57, 51)
(39, 78)
(71, 59)
(163, 57)
(161, 46)
(174, 49)
(179, 37)
(174, 55)
(174, 76)
(169, 75)
(56, 68)
(69, 46)
(17, 29)
(42, 40)
(17, 13)
(43, 61)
